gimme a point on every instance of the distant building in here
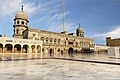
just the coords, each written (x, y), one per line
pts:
(100, 48)
(53, 42)
(112, 42)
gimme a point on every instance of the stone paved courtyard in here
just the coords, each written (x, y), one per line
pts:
(53, 69)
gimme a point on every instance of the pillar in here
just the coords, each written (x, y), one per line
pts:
(30, 52)
(35, 52)
(41, 52)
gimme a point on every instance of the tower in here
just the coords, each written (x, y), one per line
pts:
(20, 24)
(80, 31)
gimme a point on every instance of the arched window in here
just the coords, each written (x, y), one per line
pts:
(47, 40)
(17, 31)
(55, 40)
(22, 22)
(51, 40)
(42, 38)
(17, 22)
(59, 41)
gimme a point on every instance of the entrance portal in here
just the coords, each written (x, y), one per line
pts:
(8, 48)
(51, 52)
(70, 51)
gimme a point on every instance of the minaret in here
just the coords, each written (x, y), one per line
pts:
(20, 23)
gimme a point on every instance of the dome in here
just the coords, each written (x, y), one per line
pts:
(21, 15)
(80, 29)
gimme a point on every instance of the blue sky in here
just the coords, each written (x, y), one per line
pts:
(99, 18)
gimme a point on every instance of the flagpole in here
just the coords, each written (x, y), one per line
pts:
(63, 15)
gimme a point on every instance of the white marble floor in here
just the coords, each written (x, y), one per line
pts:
(52, 69)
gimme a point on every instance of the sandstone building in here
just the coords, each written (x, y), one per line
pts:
(112, 42)
(53, 42)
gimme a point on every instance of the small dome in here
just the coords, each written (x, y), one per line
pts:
(80, 29)
(21, 15)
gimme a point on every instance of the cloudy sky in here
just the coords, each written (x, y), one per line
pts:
(99, 18)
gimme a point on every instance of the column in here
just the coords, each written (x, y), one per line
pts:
(41, 52)
(12, 53)
(29, 54)
(35, 52)
(3, 52)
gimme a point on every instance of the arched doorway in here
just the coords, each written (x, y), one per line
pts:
(70, 51)
(61, 52)
(58, 51)
(8, 48)
(38, 49)
(33, 48)
(25, 49)
(51, 52)
(17, 48)
(1, 48)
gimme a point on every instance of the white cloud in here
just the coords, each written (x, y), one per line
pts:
(48, 11)
(54, 22)
(7, 8)
(114, 33)
(69, 26)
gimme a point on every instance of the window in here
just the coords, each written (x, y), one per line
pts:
(42, 38)
(17, 22)
(33, 35)
(55, 40)
(58, 40)
(22, 22)
(17, 31)
(47, 40)
(51, 40)
(70, 43)
(58, 50)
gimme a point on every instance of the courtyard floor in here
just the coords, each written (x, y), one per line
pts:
(55, 69)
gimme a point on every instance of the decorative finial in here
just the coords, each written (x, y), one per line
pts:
(22, 8)
(79, 25)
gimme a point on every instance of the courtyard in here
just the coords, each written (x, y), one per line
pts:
(56, 69)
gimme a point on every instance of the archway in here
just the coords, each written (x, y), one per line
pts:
(61, 52)
(8, 48)
(1, 48)
(25, 49)
(38, 49)
(33, 48)
(51, 52)
(58, 50)
(76, 51)
(70, 51)
(17, 48)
